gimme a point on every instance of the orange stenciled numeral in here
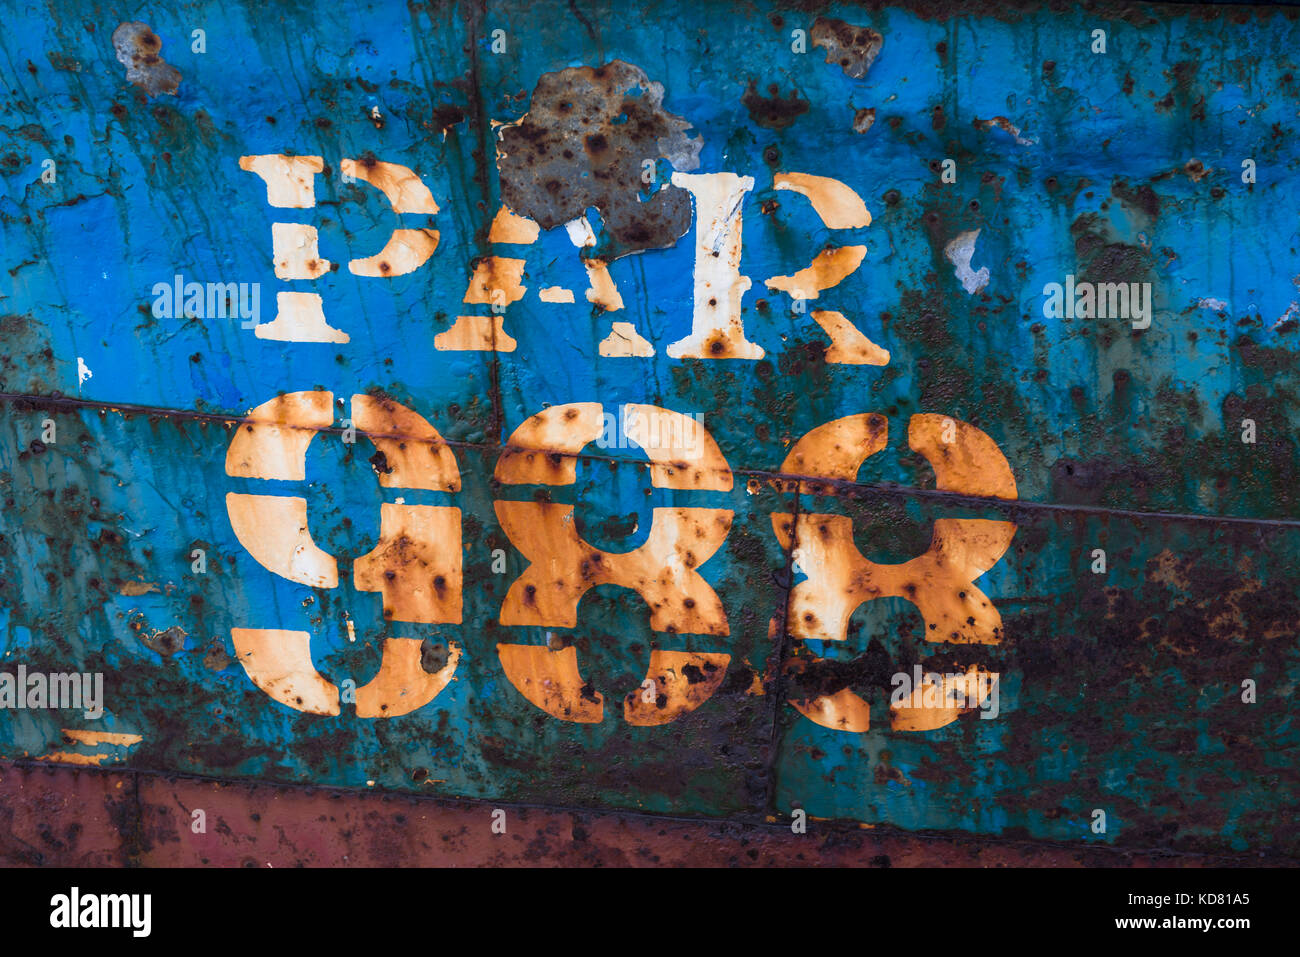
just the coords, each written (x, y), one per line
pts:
(416, 565)
(940, 583)
(563, 567)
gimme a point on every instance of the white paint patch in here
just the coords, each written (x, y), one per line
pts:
(1218, 305)
(1292, 312)
(717, 328)
(299, 318)
(624, 340)
(83, 372)
(580, 232)
(555, 294)
(1004, 124)
(959, 253)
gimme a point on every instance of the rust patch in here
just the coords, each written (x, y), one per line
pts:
(138, 48)
(772, 111)
(216, 658)
(583, 143)
(166, 642)
(1142, 197)
(853, 48)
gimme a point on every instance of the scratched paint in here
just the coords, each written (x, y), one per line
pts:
(716, 618)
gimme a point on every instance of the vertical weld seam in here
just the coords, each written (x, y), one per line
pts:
(133, 844)
(475, 14)
(777, 689)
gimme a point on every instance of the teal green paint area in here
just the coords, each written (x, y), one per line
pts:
(334, 341)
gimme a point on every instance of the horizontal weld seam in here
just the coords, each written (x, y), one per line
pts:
(1011, 505)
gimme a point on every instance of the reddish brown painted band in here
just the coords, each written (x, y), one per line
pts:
(82, 817)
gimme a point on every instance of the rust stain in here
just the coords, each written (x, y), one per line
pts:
(139, 49)
(1004, 124)
(773, 111)
(583, 143)
(853, 48)
(135, 589)
(167, 641)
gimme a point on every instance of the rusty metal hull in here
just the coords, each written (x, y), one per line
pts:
(387, 508)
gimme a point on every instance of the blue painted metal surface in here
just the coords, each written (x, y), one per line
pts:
(1166, 159)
